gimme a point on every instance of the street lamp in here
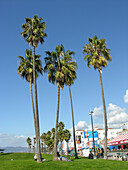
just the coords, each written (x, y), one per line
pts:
(92, 131)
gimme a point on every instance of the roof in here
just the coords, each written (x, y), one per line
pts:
(79, 130)
(121, 139)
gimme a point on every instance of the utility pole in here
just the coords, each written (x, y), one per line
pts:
(92, 131)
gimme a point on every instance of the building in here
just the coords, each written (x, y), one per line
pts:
(112, 133)
(84, 138)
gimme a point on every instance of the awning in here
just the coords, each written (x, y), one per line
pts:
(119, 140)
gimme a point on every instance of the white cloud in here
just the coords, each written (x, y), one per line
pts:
(81, 125)
(12, 140)
(116, 116)
(98, 112)
(126, 97)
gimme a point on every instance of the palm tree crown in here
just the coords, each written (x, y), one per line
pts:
(54, 66)
(69, 67)
(29, 141)
(60, 66)
(97, 53)
(25, 68)
(34, 31)
(67, 135)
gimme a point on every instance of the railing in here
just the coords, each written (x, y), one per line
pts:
(116, 150)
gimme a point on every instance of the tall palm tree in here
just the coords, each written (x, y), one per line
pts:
(54, 68)
(69, 70)
(98, 56)
(61, 133)
(33, 32)
(25, 69)
(29, 142)
(67, 136)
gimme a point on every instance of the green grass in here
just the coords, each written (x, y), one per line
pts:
(25, 161)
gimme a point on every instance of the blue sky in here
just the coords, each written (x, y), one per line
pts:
(71, 23)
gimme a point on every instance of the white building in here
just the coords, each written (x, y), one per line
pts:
(112, 133)
(83, 139)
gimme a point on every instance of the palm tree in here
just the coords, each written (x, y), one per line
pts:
(48, 140)
(33, 148)
(25, 69)
(33, 32)
(42, 146)
(53, 66)
(69, 70)
(67, 136)
(34, 138)
(29, 142)
(98, 56)
(53, 132)
(43, 139)
(61, 133)
(53, 137)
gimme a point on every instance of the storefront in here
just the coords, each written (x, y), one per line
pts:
(120, 141)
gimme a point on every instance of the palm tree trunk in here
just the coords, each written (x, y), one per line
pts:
(29, 148)
(57, 117)
(33, 109)
(76, 157)
(61, 148)
(105, 117)
(42, 147)
(67, 148)
(37, 115)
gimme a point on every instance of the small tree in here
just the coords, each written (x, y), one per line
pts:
(34, 138)
(42, 146)
(43, 139)
(48, 140)
(67, 136)
(61, 134)
(29, 142)
(33, 147)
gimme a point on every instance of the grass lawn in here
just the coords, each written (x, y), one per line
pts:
(25, 161)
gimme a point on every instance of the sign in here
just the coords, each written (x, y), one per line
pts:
(88, 134)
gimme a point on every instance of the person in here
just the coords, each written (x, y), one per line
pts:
(35, 158)
(58, 154)
(98, 152)
(61, 158)
(102, 152)
(90, 155)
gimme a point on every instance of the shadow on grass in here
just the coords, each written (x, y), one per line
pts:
(1, 154)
